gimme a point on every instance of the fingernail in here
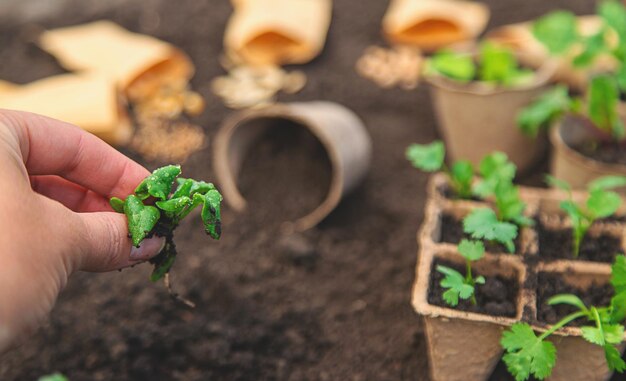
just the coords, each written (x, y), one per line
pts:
(147, 249)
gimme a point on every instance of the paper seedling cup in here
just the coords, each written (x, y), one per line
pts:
(466, 346)
(476, 119)
(568, 164)
(432, 24)
(277, 32)
(577, 359)
(137, 64)
(340, 131)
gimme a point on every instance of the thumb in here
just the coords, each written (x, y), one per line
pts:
(105, 244)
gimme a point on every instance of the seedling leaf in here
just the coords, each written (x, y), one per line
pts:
(593, 335)
(526, 353)
(455, 284)
(614, 359)
(472, 250)
(603, 100)
(618, 308)
(461, 175)
(211, 213)
(557, 31)
(544, 110)
(174, 206)
(457, 66)
(482, 223)
(427, 157)
(569, 299)
(602, 203)
(607, 182)
(141, 218)
(117, 204)
(53, 377)
(159, 183)
(618, 274)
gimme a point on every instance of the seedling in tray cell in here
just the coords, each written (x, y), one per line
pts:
(528, 354)
(459, 286)
(156, 208)
(600, 203)
(430, 158)
(482, 223)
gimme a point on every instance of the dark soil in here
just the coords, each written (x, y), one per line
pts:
(551, 284)
(261, 314)
(606, 152)
(496, 297)
(558, 244)
(452, 232)
(289, 169)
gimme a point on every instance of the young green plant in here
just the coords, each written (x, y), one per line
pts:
(458, 286)
(483, 224)
(528, 354)
(160, 202)
(601, 202)
(494, 64)
(430, 158)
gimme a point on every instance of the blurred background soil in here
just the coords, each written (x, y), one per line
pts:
(330, 304)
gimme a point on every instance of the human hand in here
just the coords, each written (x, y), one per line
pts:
(55, 218)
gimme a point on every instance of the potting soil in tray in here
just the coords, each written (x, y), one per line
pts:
(452, 232)
(606, 152)
(558, 244)
(496, 297)
(288, 168)
(447, 192)
(551, 284)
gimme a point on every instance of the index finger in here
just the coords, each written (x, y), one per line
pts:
(52, 147)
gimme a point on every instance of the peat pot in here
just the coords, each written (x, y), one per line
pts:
(570, 165)
(465, 345)
(476, 119)
(340, 131)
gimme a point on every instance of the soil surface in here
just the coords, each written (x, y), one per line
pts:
(452, 232)
(558, 244)
(606, 152)
(551, 284)
(496, 297)
(330, 304)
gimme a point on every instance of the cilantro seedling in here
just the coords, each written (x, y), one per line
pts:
(482, 223)
(458, 286)
(603, 102)
(497, 174)
(53, 377)
(430, 158)
(156, 208)
(528, 354)
(600, 203)
(493, 64)
(543, 111)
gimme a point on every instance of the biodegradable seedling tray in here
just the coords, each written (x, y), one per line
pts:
(466, 345)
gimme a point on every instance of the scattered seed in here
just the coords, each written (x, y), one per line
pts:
(399, 66)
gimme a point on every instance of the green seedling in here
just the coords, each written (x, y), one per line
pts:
(528, 354)
(603, 102)
(600, 203)
(430, 158)
(157, 207)
(494, 64)
(547, 108)
(458, 286)
(482, 223)
(497, 174)
(53, 377)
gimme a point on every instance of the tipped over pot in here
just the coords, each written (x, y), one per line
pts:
(340, 132)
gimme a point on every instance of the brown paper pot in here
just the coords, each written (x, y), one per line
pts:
(277, 31)
(462, 345)
(576, 356)
(432, 24)
(340, 131)
(571, 166)
(466, 346)
(476, 120)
